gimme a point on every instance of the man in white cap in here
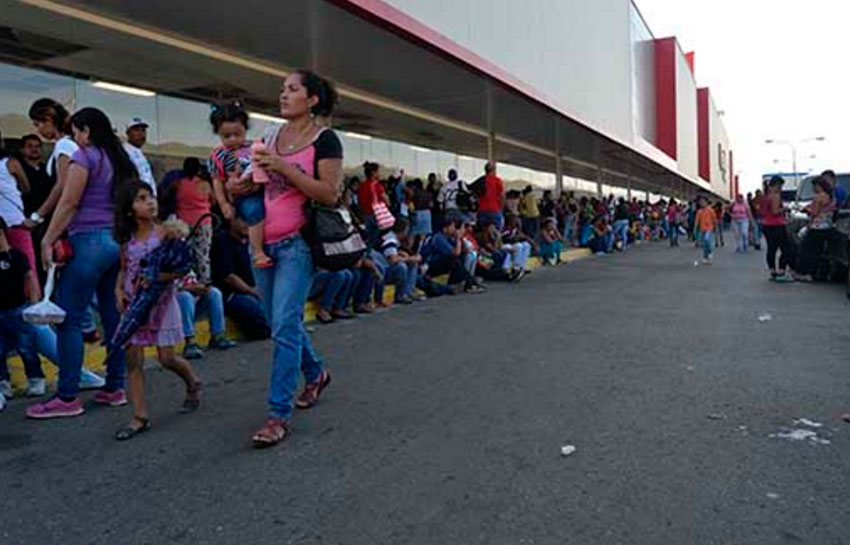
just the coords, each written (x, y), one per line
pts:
(137, 135)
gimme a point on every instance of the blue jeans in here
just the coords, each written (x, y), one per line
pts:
(757, 230)
(742, 234)
(210, 305)
(248, 313)
(404, 276)
(331, 288)
(361, 288)
(621, 231)
(492, 217)
(707, 243)
(93, 269)
(673, 233)
(16, 334)
(250, 208)
(284, 288)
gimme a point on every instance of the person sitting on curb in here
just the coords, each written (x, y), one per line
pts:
(518, 243)
(443, 254)
(552, 243)
(401, 267)
(233, 276)
(331, 289)
(198, 299)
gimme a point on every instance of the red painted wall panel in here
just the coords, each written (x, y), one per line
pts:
(704, 134)
(665, 97)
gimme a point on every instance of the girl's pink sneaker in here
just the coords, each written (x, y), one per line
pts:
(55, 408)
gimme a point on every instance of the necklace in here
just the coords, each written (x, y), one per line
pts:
(300, 138)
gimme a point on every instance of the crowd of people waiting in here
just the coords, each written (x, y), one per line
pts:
(94, 210)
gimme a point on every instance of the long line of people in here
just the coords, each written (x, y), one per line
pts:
(94, 210)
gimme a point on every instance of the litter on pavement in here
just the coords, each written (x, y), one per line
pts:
(808, 423)
(567, 450)
(772, 496)
(799, 434)
(716, 416)
(765, 317)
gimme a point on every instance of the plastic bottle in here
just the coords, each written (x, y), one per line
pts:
(260, 175)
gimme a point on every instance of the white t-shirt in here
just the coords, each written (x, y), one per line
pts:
(448, 194)
(64, 146)
(142, 165)
(11, 206)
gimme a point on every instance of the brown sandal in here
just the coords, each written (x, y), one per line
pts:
(273, 432)
(312, 391)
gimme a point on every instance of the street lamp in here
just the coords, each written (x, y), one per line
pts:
(793, 146)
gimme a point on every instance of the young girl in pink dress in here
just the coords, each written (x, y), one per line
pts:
(138, 232)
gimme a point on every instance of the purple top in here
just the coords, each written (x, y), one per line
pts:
(96, 206)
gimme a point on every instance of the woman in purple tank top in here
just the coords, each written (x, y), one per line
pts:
(85, 210)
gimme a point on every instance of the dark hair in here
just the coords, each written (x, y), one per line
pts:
(370, 168)
(102, 137)
(825, 185)
(776, 180)
(828, 173)
(3, 225)
(47, 109)
(27, 137)
(317, 86)
(191, 167)
(125, 221)
(489, 167)
(229, 112)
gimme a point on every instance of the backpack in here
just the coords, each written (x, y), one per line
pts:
(464, 199)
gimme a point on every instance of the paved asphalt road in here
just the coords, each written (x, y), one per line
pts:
(444, 425)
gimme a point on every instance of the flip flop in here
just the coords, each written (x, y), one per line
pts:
(129, 432)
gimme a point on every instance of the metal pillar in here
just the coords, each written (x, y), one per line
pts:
(491, 133)
(629, 189)
(559, 161)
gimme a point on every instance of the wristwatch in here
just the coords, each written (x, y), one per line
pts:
(36, 218)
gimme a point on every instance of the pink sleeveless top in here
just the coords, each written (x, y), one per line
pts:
(284, 203)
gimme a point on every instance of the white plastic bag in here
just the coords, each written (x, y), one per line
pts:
(45, 311)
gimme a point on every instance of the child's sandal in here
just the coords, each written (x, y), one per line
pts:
(129, 432)
(192, 401)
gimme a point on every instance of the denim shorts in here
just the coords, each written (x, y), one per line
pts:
(251, 208)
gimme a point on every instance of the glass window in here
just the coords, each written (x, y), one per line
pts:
(119, 107)
(20, 87)
(183, 128)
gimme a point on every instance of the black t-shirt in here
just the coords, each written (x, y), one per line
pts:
(229, 256)
(13, 273)
(621, 212)
(40, 186)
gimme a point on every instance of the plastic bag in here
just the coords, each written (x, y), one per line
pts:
(45, 311)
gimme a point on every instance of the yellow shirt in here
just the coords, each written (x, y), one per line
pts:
(528, 206)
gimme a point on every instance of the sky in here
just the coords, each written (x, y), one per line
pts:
(776, 68)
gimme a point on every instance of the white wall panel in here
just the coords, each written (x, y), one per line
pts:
(576, 52)
(718, 153)
(686, 118)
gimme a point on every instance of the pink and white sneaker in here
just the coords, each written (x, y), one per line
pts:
(55, 408)
(112, 399)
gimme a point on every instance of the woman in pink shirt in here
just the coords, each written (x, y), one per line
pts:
(741, 216)
(304, 162)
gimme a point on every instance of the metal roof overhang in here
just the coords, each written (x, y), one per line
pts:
(396, 80)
